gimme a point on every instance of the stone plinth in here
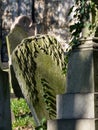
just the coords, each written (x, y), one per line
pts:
(77, 106)
(72, 124)
(77, 109)
(82, 76)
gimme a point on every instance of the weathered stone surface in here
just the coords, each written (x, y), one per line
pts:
(77, 106)
(20, 29)
(80, 72)
(5, 114)
(38, 63)
(81, 124)
(82, 69)
(13, 39)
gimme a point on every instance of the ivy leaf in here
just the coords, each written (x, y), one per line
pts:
(72, 28)
(75, 41)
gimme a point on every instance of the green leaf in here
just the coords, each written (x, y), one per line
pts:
(72, 28)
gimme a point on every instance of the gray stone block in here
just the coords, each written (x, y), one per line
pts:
(76, 106)
(82, 75)
(62, 124)
(95, 70)
(77, 109)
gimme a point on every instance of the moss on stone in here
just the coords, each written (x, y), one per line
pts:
(38, 63)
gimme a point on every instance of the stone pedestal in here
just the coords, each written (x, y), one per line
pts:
(77, 109)
(73, 124)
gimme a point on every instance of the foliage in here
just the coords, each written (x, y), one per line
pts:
(81, 19)
(22, 114)
(43, 125)
(26, 122)
(19, 107)
(23, 118)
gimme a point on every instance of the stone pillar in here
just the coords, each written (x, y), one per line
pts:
(5, 115)
(77, 109)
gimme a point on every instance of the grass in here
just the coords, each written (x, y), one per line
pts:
(23, 119)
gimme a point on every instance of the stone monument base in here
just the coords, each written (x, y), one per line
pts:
(77, 108)
(72, 124)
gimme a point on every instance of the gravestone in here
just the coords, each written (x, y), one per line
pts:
(77, 109)
(5, 114)
(38, 62)
(20, 29)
